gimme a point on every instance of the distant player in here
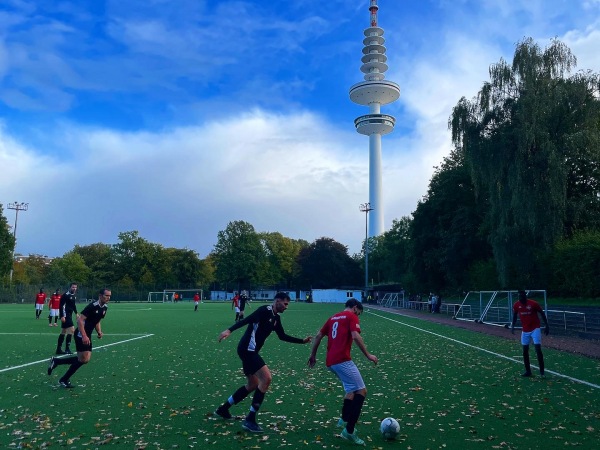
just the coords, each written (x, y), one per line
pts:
(243, 300)
(529, 311)
(341, 330)
(87, 323)
(40, 300)
(196, 301)
(235, 304)
(67, 307)
(54, 306)
(261, 323)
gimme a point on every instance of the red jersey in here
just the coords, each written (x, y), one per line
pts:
(338, 330)
(528, 313)
(40, 298)
(236, 301)
(55, 301)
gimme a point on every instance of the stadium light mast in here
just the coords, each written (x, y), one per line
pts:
(366, 207)
(374, 92)
(17, 207)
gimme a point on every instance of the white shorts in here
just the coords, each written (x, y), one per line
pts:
(349, 375)
(528, 336)
(195, 303)
(237, 309)
(39, 307)
(54, 313)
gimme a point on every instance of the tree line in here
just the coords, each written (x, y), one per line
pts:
(516, 204)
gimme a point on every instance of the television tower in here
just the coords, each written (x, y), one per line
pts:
(374, 92)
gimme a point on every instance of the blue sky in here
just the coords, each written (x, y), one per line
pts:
(175, 117)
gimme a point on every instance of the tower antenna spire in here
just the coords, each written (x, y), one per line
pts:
(374, 92)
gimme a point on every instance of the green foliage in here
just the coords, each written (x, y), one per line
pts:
(72, 266)
(390, 254)
(530, 141)
(326, 263)
(7, 245)
(574, 266)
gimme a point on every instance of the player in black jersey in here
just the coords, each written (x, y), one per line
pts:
(65, 312)
(87, 322)
(261, 323)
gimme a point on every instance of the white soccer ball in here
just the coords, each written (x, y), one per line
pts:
(390, 428)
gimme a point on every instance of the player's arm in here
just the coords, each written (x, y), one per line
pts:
(358, 340)
(99, 330)
(312, 359)
(545, 319)
(514, 321)
(226, 333)
(282, 335)
(81, 326)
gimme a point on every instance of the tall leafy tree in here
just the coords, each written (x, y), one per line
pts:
(99, 258)
(326, 264)
(523, 138)
(132, 256)
(73, 267)
(239, 255)
(390, 254)
(281, 256)
(7, 245)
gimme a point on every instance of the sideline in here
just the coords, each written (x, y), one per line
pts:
(499, 355)
(45, 360)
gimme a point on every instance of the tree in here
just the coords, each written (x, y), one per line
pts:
(132, 256)
(98, 258)
(530, 141)
(326, 264)
(390, 254)
(238, 255)
(281, 257)
(73, 267)
(7, 245)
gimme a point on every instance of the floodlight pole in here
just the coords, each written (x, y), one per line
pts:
(17, 207)
(366, 207)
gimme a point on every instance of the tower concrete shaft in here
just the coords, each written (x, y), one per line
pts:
(374, 92)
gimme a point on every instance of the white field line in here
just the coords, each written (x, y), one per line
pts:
(575, 380)
(95, 348)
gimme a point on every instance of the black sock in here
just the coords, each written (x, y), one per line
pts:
(61, 339)
(63, 361)
(256, 402)
(356, 408)
(68, 343)
(237, 397)
(72, 369)
(346, 409)
(526, 358)
(540, 357)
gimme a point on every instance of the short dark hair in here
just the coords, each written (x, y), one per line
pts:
(282, 296)
(522, 295)
(352, 302)
(103, 291)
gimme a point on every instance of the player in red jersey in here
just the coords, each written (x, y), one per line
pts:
(341, 330)
(529, 311)
(235, 304)
(40, 300)
(54, 306)
(196, 301)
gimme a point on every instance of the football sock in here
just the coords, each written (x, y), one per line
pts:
(237, 397)
(346, 409)
(526, 359)
(256, 402)
(61, 339)
(63, 361)
(72, 369)
(540, 357)
(356, 408)
(68, 343)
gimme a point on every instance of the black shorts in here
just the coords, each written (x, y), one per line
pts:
(68, 322)
(79, 345)
(251, 362)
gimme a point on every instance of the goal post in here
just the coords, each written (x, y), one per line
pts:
(495, 307)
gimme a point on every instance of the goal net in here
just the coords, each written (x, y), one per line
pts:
(168, 295)
(494, 307)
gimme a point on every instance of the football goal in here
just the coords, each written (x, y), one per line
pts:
(168, 295)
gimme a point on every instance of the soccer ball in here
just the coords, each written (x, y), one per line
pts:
(390, 428)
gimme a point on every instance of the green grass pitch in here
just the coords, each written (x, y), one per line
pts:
(159, 373)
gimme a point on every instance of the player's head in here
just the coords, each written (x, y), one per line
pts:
(522, 296)
(282, 301)
(104, 295)
(73, 288)
(41, 290)
(354, 305)
(57, 291)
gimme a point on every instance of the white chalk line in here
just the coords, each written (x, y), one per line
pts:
(95, 348)
(499, 355)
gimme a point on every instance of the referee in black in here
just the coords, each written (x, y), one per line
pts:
(87, 322)
(260, 324)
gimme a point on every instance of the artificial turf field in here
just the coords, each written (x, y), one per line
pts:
(158, 374)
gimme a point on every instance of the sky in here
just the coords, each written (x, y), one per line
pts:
(177, 117)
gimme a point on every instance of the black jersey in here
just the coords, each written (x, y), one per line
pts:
(94, 313)
(261, 323)
(243, 300)
(67, 305)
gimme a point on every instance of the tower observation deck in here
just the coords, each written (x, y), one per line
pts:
(374, 92)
